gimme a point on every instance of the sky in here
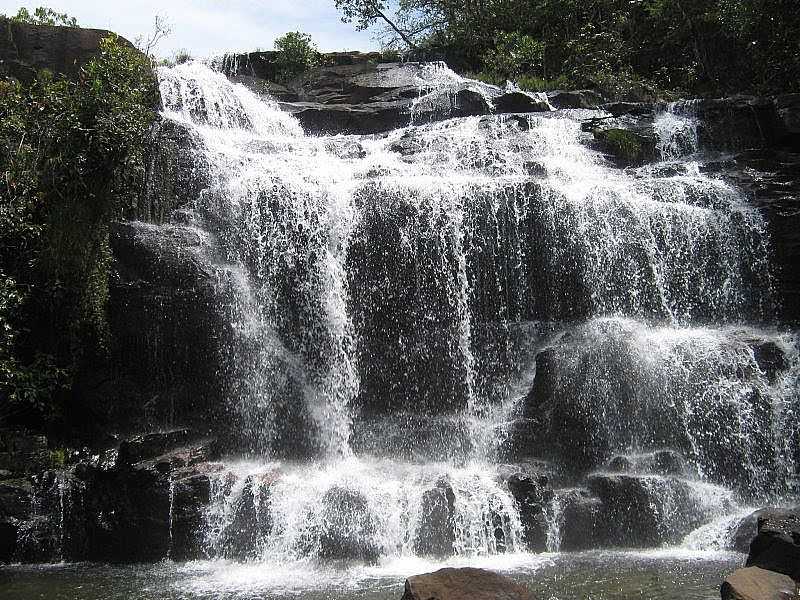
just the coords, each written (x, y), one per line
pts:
(208, 28)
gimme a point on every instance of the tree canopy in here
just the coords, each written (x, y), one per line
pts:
(703, 46)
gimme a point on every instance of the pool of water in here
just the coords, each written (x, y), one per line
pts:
(599, 575)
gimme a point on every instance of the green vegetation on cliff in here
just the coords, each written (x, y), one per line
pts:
(620, 46)
(71, 158)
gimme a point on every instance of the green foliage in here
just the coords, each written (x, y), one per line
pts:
(182, 56)
(44, 16)
(297, 54)
(628, 47)
(71, 158)
(513, 55)
(58, 458)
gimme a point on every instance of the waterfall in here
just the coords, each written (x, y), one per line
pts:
(412, 311)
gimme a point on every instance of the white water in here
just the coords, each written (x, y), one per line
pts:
(453, 225)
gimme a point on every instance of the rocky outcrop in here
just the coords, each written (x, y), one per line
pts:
(464, 584)
(534, 497)
(175, 175)
(777, 545)
(26, 49)
(142, 501)
(754, 583)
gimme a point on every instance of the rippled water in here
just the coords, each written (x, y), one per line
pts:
(656, 575)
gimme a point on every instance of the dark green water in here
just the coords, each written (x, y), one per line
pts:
(660, 575)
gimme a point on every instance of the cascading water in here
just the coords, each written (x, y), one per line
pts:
(404, 296)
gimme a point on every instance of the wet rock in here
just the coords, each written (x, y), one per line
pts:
(753, 583)
(347, 530)
(363, 119)
(660, 462)
(464, 584)
(618, 109)
(788, 108)
(22, 452)
(436, 532)
(168, 322)
(777, 545)
(15, 508)
(582, 524)
(152, 445)
(770, 358)
(519, 102)
(190, 497)
(176, 172)
(645, 510)
(574, 99)
(534, 497)
(737, 123)
(627, 147)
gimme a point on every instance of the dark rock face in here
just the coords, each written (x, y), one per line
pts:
(436, 534)
(519, 102)
(777, 545)
(175, 175)
(22, 453)
(626, 145)
(645, 510)
(753, 583)
(533, 498)
(26, 49)
(107, 510)
(168, 325)
(574, 99)
(348, 531)
(15, 509)
(464, 584)
(583, 524)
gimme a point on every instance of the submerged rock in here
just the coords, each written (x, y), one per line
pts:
(464, 584)
(753, 583)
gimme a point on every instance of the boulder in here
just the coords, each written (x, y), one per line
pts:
(347, 530)
(534, 497)
(753, 583)
(436, 531)
(520, 102)
(618, 109)
(574, 99)
(464, 584)
(152, 445)
(627, 147)
(777, 545)
(582, 523)
(646, 510)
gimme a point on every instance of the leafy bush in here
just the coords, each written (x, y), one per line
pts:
(514, 54)
(71, 157)
(44, 16)
(297, 54)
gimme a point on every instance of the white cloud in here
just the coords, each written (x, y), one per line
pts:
(206, 27)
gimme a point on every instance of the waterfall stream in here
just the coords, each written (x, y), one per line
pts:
(413, 312)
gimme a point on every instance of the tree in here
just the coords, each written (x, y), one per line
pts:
(297, 53)
(44, 16)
